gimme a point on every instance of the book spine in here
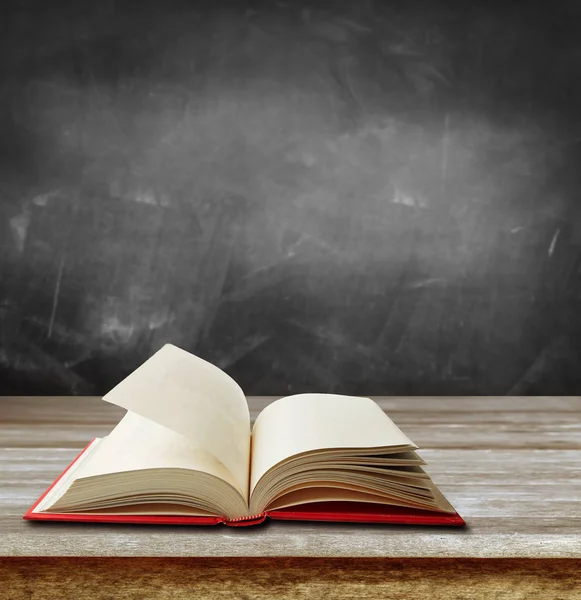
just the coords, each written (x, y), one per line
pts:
(245, 521)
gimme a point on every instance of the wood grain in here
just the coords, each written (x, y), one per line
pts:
(509, 465)
(252, 578)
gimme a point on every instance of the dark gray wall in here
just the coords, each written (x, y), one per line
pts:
(360, 197)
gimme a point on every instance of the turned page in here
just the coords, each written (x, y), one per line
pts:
(308, 422)
(192, 397)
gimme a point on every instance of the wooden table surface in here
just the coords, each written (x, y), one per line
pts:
(511, 467)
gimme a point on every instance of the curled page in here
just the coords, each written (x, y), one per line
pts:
(193, 397)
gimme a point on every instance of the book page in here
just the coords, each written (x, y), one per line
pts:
(137, 443)
(192, 397)
(308, 422)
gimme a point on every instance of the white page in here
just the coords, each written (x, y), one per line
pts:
(137, 443)
(193, 397)
(307, 422)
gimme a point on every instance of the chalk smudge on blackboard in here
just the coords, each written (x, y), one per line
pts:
(56, 294)
(19, 227)
(553, 243)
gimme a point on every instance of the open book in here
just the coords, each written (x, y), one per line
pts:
(184, 453)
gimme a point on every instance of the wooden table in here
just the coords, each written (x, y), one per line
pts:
(511, 466)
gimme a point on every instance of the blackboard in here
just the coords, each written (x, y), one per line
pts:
(365, 198)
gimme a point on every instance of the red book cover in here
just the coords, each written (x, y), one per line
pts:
(338, 512)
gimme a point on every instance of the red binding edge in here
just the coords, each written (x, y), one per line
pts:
(355, 512)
